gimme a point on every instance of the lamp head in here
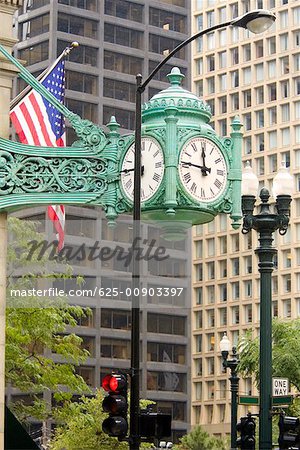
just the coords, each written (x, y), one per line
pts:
(256, 21)
(225, 344)
(249, 181)
(283, 183)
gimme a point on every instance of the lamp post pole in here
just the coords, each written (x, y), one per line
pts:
(266, 223)
(232, 364)
(256, 21)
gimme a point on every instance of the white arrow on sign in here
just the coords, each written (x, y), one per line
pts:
(280, 386)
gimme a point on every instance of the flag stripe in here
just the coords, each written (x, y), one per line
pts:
(37, 122)
(18, 127)
(40, 117)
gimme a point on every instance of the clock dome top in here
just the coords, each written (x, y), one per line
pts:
(188, 104)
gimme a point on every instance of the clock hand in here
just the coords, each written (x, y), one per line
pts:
(203, 168)
(131, 170)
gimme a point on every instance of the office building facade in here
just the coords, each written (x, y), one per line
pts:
(258, 78)
(118, 39)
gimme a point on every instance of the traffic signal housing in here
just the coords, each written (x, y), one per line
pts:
(116, 404)
(289, 432)
(246, 428)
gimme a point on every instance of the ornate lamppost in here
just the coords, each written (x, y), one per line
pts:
(266, 222)
(232, 364)
(256, 21)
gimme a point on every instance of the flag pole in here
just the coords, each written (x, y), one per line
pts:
(43, 75)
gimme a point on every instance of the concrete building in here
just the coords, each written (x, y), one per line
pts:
(118, 39)
(258, 78)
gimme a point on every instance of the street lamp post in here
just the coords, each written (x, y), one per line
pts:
(256, 21)
(234, 384)
(266, 223)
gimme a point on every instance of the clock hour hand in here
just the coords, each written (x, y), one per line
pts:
(204, 169)
(131, 170)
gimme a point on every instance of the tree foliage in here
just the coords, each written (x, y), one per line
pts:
(199, 439)
(36, 329)
(286, 352)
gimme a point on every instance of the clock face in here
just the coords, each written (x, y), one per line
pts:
(202, 169)
(152, 169)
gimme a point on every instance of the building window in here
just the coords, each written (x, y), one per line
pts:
(259, 48)
(286, 308)
(272, 139)
(223, 81)
(235, 79)
(247, 75)
(247, 121)
(122, 63)
(260, 121)
(296, 15)
(235, 290)
(223, 292)
(284, 42)
(272, 69)
(235, 103)
(283, 18)
(167, 20)
(166, 324)
(273, 116)
(248, 313)
(123, 36)
(124, 9)
(235, 315)
(235, 56)
(247, 145)
(211, 85)
(199, 66)
(210, 15)
(235, 263)
(272, 45)
(285, 89)
(247, 98)
(248, 288)
(223, 104)
(114, 348)
(260, 142)
(222, 37)
(119, 90)
(211, 318)
(273, 163)
(260, 95)
(163, 45)
(77, 25)
(211, 63)
(285, 112)
(222, 59)
(35, 53)
(247, 52)
(285, 65)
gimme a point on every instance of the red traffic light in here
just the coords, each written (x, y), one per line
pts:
(114, 383)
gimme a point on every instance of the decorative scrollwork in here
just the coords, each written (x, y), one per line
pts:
(91, 135)
(31, 174)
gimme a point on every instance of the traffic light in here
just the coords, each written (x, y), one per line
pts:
(289, 432)
(246, 428)
(116, 404)
(155, 425)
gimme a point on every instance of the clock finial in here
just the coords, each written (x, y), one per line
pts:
(175, 77)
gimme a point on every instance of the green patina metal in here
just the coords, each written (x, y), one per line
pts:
(89, 172)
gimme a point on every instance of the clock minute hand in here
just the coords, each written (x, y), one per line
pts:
(203, 168)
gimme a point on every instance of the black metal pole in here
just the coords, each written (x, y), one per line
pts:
(134, 436)
(265, 254)
(234, 387)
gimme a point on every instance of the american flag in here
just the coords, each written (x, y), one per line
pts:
(37, 122)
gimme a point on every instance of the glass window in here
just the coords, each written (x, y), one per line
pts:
(235, 56)
(35, 53)
(284, 42)
(285, 65)
(119, 90)
(210, 18)
(259, 49)
(297, 62)
(162, 45)
(122, 63)
(211, 41)
(223, 37)
(260, 95)
(273, 139)
(199, 66)
(296, 15)
(211, 63)
(77, 25)
(247, 52)
(124, 9)
(272, 68)
(259, 68)
(273, 116)
(286, 139)
(247, 98)
(222, 59)
(34, 27)
(285, 89)
(123, 36)
(272, 92)
(283, 18)
(83, 54)
(199, 19)
(167, 20)
(211, 85)
(272, 45)
(247, 75)
(124, 117)
(235, 104)
(285, 112)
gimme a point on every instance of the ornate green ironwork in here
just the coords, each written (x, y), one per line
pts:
(89, 171)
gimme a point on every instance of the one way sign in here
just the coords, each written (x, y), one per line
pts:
(280, 386)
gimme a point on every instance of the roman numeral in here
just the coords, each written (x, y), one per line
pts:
(217, 160)
(194, 147)
(194, 188)
(218, 183)
(188, 154)
(187, 177)
(156, 177)
(203, 146)
(151, 188)
(202, 193)
(128, 184)
(149, 148)
(156, 153)
(212, 149)
(212, 191)
(158, 164)
(220, 172)
(142, 193)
